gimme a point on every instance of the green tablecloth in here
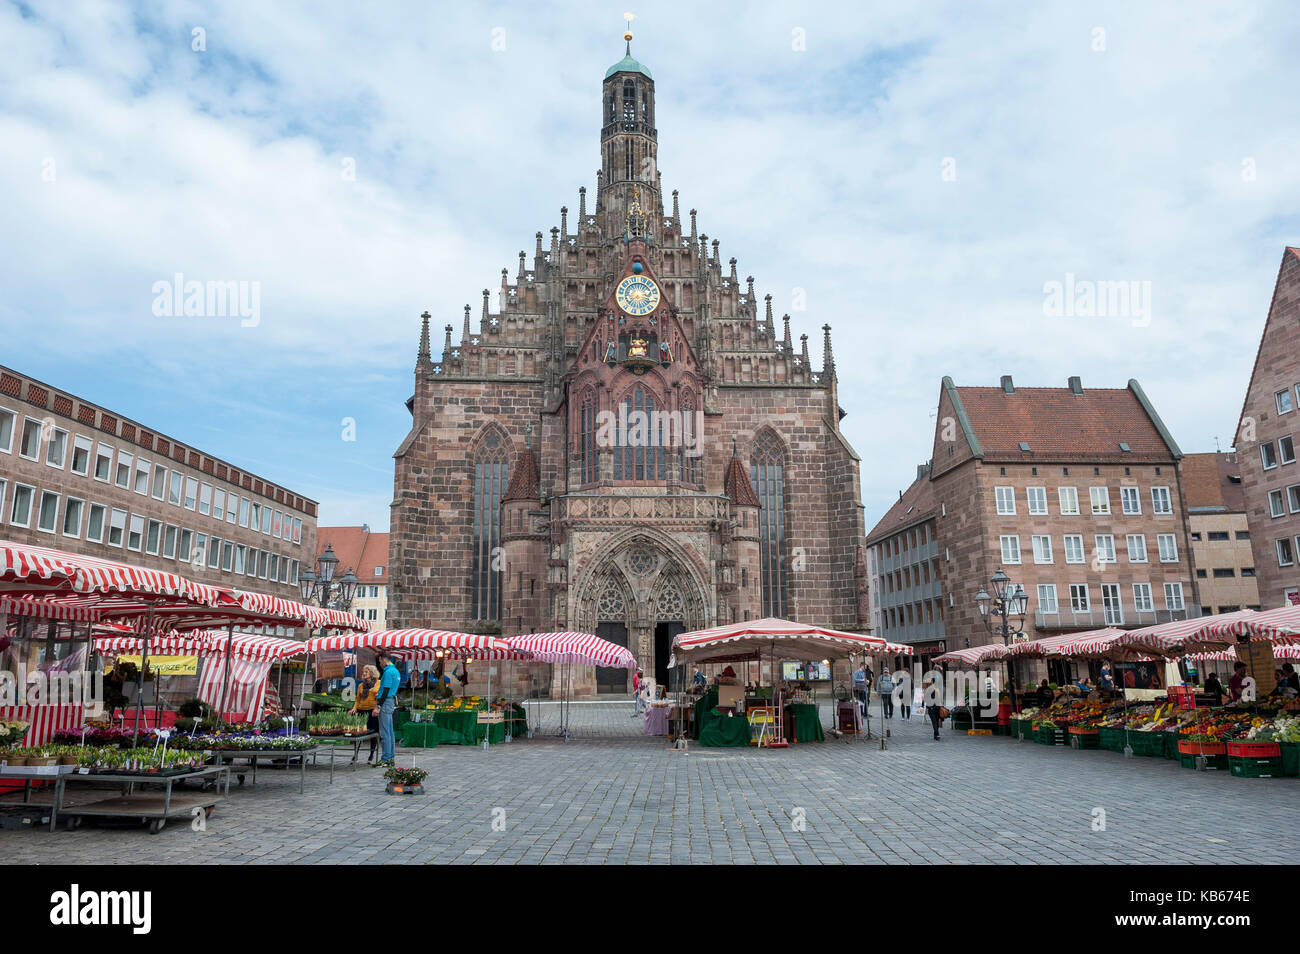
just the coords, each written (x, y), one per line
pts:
(806, 723)
(425, 735)
(704, 713)
(725, 731)
(400, 718)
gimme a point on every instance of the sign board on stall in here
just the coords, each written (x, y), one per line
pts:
(329, 666)
(167, 665)
(491, 718)
(1260, 664)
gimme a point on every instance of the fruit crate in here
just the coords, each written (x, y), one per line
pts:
(1291, 759)
(1171, 745)
(1255, 750)
(1051, 736)
(1255, 767)
(1110, 739)
(1214, 762)
(1084, 738)
(1146, 743)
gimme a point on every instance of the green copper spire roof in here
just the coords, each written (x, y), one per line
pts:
(628, 65)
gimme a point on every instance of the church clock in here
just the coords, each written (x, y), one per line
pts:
(637, 295)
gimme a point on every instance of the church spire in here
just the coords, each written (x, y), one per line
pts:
(828, 357)
(422, 357)
(629, 143)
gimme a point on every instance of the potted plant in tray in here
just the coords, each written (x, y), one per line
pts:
(406, 781)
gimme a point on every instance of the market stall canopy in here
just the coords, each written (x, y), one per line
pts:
(43, 572)
(1181, 637)
(975, 656)
(1093, 642)
(1286, 651)
(894, 649)
(776, 638)
(452, 644)
(208, 644)
(579, 649)
(1277, 625)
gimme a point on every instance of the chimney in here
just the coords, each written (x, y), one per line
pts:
(1076, 385)
(1007, 386)
(922, 470)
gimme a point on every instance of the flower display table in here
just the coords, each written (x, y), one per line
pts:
(222, 756)
(335, 742)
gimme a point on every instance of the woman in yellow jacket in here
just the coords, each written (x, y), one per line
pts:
(367, 701)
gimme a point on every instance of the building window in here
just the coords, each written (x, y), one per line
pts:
(1174, 596)
(1225, 574)
(1276, 507)
(159, 482)
(1217, 535)
(81, 448)
(1105, 547)
(1142, 598)
(174, 488)
(47, 517)
(767, 468)
(116, 527)
(227, 555)
(1069, 500)
(639, 453)
(1286, 448)
(20, 514)
(1293, 499)
(1285, 552)
(153, 539)
(1268, 454)
(1099, 497)
(185, 546)
(205, 499)
(1247, 572)
(103, 462)
(490, 477)
(1283, 399)
(135, 535)
(1006, 500)
(1137, 547)
(243, 511)
(219, 504)
(1130, 500)
(72, 514)
(1042, 548)
(31, 442)
(1167, 546)
(7, 421)
(169, 542)
(1111, 605)
(191, 492)
(1037, 497)
(56, 452)
(1079, 600)
(95, 523)
(1047, 598)
(1160, 500)
(267, 516)
(1010, 549)
(692, 444)
(1074, 548)
(125, 462)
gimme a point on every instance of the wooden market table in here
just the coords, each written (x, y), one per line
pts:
(147, 806)
(222, 756)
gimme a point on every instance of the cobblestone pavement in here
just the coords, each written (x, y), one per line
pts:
(616, 797)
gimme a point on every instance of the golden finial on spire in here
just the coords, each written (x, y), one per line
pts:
(627, 34)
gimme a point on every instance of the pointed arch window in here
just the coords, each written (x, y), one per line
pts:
(767, 471)
(639, 452)
(487, 560)
(587, 435)
(692, 446)
(629, 100)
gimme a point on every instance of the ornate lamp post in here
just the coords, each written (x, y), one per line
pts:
(321, 587)
(1004, 615)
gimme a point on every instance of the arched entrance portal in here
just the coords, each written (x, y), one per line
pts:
(641, 593)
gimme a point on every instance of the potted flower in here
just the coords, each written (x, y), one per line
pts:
(405, 781)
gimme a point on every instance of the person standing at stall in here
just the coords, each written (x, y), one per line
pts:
(366, 702)
(386, 699)
(885, 687)
(860, 687)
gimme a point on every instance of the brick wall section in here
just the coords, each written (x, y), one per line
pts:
(1277, 368)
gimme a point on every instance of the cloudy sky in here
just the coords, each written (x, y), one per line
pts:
(921, 172)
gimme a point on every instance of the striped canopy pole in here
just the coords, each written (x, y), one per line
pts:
(139, 681)
(225, 681)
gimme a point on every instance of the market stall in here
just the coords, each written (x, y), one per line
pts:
(569, 649)
(728, 714)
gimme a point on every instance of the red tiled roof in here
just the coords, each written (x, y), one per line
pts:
(916, 504)
(524, 479)
(736, 485)
(1059, 424)
(357, 548)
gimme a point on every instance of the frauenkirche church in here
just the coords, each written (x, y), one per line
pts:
(629, 445)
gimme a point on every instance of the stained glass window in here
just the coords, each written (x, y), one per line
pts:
(768, 475)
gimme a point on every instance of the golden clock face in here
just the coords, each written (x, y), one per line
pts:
(637, 295)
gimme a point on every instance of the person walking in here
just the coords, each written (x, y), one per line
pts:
(366, 703)
(386, 701)
(638, 683)
(934, 705)
(885, 687)
(860, 687)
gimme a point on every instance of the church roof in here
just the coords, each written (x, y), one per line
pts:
(628, 65)
(524, 479)
(736, 485)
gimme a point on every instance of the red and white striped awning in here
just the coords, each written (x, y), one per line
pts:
(1182, 636)
(1088, 643)
(1277, 625)
(65, 609)
(778, 638)
(579, 649)
(1287, 651)
(42, 570)
(452, 644)
(895, 649)
(208, 644)
(165, 644)
(975, 656)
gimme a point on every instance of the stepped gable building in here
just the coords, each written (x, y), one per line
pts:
(628, 444)
(1075, 493)
(1266, 443)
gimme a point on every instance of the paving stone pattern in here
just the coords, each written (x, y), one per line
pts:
(612, 797)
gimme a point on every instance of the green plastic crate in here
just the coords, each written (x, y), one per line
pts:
(1218, 762)
(1147, 743)
(1053, 736)
(1085, 741)
(1112, 740)
(1171, 744)
(1254, 767)
(1290, 758)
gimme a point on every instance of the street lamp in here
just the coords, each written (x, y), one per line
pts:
(321, 587)
(1003, 613)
